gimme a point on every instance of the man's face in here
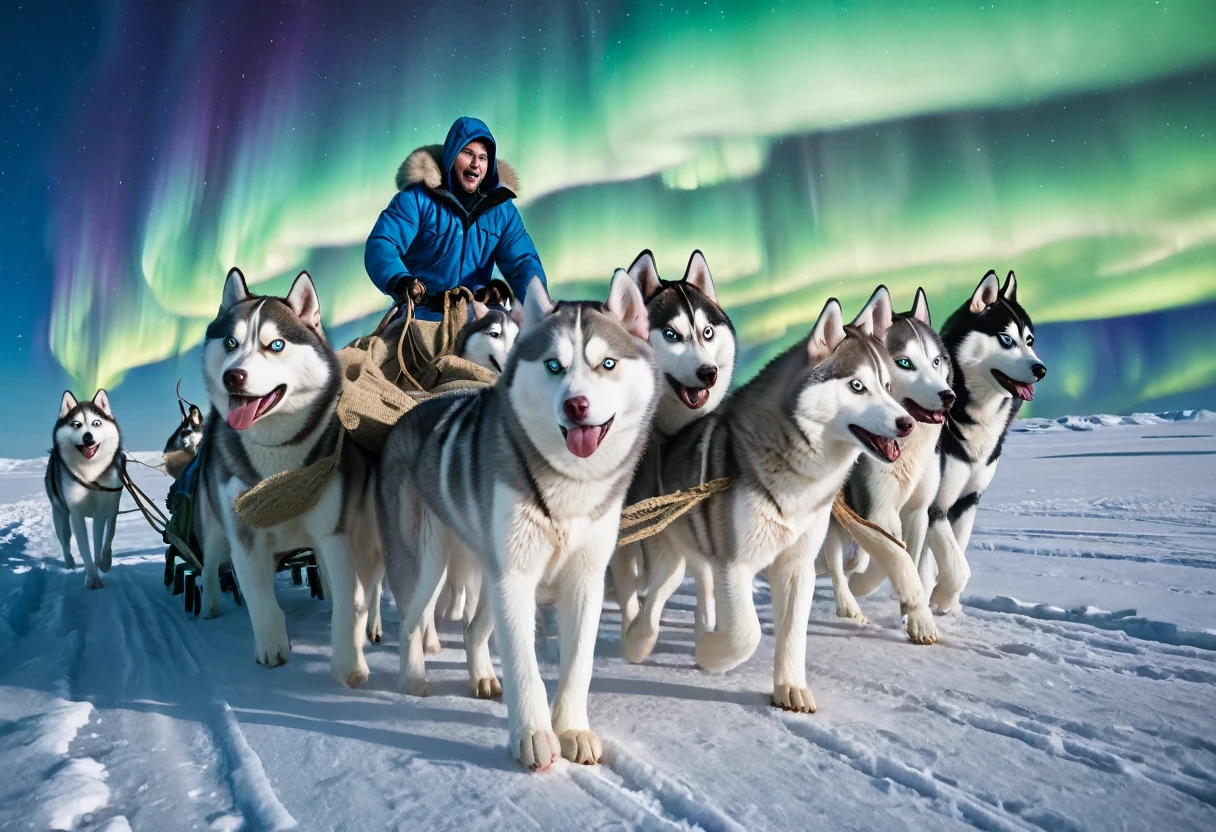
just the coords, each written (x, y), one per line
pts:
(470, 166)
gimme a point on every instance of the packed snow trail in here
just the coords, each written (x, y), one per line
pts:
(1073, 692)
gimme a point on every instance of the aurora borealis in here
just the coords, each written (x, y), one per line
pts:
(810, 149)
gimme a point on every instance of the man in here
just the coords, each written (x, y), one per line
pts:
(452, 221)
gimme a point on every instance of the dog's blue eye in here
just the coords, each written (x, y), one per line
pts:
(937, 361)
(670, 334)
(904, 363)
(708, 333)
(277, 345)
(609, 363)
(856, 386)
(1005, 340)
(230, 343)
(553, 366)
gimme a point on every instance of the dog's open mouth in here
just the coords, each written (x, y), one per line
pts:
(694, 398)
(883, 448)
(88, 450)
(584, 440)
(243, 411)
(929, 417)
(1018, 389)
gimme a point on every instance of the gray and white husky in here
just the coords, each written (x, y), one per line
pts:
(488, 337)
(274, 382)
(695, 344)
(82, 481)
(182, 445)
(522, 484)
(896, 496)
(787, 440)
(991, 343)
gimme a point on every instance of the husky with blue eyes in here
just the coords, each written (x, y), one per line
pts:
(990, 339)
(274, 382)
(521, 484)
(897, 495)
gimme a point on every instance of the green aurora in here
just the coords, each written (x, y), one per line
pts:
(809, 149)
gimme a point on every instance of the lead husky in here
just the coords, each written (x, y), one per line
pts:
(523, 482)
(82, 481)
(991, 344)
(786, 440)
(274, 383)
(896, 496)
(695, 344)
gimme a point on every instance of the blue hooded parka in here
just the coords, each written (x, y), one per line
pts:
(426, 233)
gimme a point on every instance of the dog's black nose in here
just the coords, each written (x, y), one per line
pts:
(87, 439)
(947, 398)
(708, 374)
(1039, 371)
(234, 380)
(904, 425)
(576, 408)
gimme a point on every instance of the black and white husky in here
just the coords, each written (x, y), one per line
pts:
(487, 339)
(521, 485)
(897, 495)
(695, 344)
(182, 445)
(786, 440)
(991, 343)
(274, 382)
(82, 481)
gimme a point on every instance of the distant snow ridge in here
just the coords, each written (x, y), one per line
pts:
(1105, 420)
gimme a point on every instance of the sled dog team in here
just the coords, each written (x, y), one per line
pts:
(492, 501)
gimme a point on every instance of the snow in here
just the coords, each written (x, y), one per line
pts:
(1073, 692)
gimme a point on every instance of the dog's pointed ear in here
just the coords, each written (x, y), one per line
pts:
(480, 310)
(1010, 290)
(625, 302)
(304, 302)
(875, 317)
(828, 332)
(985, 294)
(537, 304)
(645, 274)
(196, 416)
(920, 308)
(697, 275)
(102, 402)
(67, 403)
(235, 290)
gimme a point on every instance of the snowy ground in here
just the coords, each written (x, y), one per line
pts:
(117, 711)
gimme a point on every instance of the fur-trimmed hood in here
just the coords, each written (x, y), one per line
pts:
(422, 167)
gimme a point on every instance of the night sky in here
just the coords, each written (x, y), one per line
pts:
(810, 149)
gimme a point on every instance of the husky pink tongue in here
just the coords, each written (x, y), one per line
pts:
(583, 440)
(243, 415)
(1024, 391)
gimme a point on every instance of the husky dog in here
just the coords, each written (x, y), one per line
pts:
(489, 336)
(896, 496)
(182, 445)
(82, 480)
(787, 440)
(274, 382)
(695, 344)
(991, 344)
(522, 483)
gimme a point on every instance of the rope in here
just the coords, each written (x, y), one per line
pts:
(157, 518)
(654, 514)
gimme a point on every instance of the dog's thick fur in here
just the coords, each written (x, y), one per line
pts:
(182, 445)
(786, 440)
(259, 348)
(991, 343)
(485, 483)
(896, 496)
(82, 481)
(695, 344)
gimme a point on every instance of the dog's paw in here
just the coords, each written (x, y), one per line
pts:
(93, 581)
(846, 607)
(488, 688)
(69, 562)
(431, 646)
(374, 631)
(272, 651)
(943, 600)
(536, 749)
(211, 608)
(107, 560)
(792, 698)
(638, 641)
(921, 629)
(418, 687)
(582, 747)
(356, 678)
(352, 672)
